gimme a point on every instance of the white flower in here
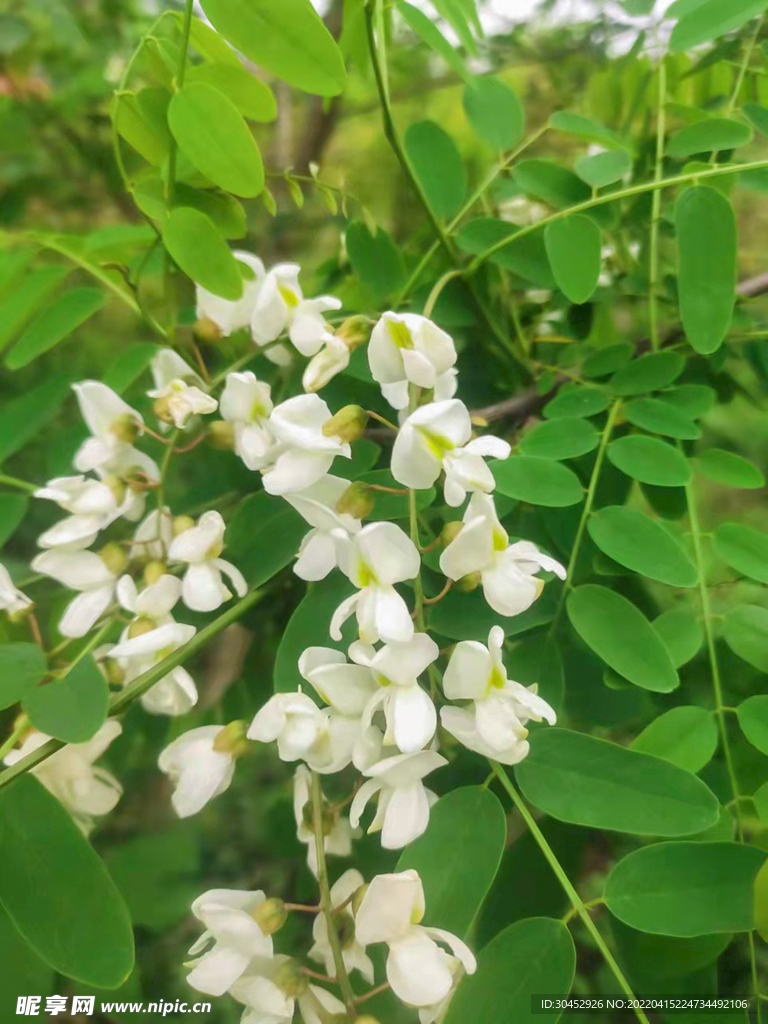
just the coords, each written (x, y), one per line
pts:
(420, 972)
(495, 726)
(304, 731)
(404, 801)
(93, 506)
(407, 348)
(317, 505)
(203, 588)
(323, 367)
(305, 453)
(113, 425)
(230, 316)
(379, 556)
(231, 940)
(436, 437)
(246, 403)
(140, 650)
(338, 841)
(153, 536)
(507, 570)
(281, 307)
(84, 571)
(12, 600)
(409, 711)
(352, 952)
(178, 390)
(267, 1002)
(197, 768)
(69, 774)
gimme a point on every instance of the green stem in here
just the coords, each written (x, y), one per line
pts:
(611, 197)
(587, 510)
(342, 977)
(18, 732)
(413, 517)
(13, 481)
(565, 882)
(144, 682)
(653, 276)
(743, 67)
(182, 66)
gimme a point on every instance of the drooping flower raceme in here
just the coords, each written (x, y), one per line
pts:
(233, 937)
(306, 449)
(508, 571)
(409, 349)
(317, 554)
(337, 835)
(404, 801)
(495, 723)
(203, 588)
(281, 307)
(94, 575)
(353, 953)
(92, 505)
(178, 390)
(113, 425)
(201, 764)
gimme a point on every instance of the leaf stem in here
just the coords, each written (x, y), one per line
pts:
(576, 900)
(21, 485)
(21, 727)
(653, 275)
(342, 977)
(182, 66)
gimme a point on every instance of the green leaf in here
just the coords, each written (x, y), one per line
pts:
(419, 23)
(757, 115)
(686, 736)
(468, 616)
(287, 38)
(55, 323)
(211, 133)
(685, 889)
(682, 633)
(537, 481)
(706, 241)
(753, 719)
(437, 167)
(651, 958)
(650, 461)
(584, 127)
(57, 892)
(209, 44)
(648, 373)
(530, 957)
(263, 537)
(588, 781)
(252, 97)
(29, 296)
(24, 417)
(71, 709)
(15, 32)
(744, 549)
(309, 626)
(640, 543)
(458, 856)
(709, 134)
(526, 257)
(567, 437)
(495, 112)
(13, 508)
(661, 417)
(729, 469)
(712, 19)
(21, 970)
(551, 183)
(574, 250)
(140, 118)
(761, 902)
(22, 666)
(607, 360)
(745, 630)
(622, 636)
(694, 400)
(198, 248)
(13, 265)
(375, 259)
(129, 365)
(577, 401)
(604, 168)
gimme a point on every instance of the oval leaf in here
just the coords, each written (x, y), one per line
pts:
(622, 636)
(437, 167)
(22, 666)
(252, 97)
(729, 469)
(567, 437)
(744, 549)
(650, 461)
(494, 111)
(685, 736)
(588, 781)
(648, 373)
(198, 248)
(638, 542)
(682, 633)
(604, 168)
(753, 719)
(745, 630)
(577, 402)
(660, 417)
(708, 135)
(71, 709)
(57, 892)
(573, 247)
(55, 323)
(538, 481)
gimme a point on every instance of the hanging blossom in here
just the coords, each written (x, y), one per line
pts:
(436, 437)
(318, 505)
(352, 951)
(153, 536)
(93, 505)
(507, 571)
(94, 575)
(228, 316)
(272, 989)
(495, 724)
(87, 791)
(402, 814)
(246, 404)
(337, 831)
(419, 971)
(12, 600)
(309, 439)
(114, 426)
(406, 348)
(203, 588)
(281, 307)
(201, 764)
(178, 392)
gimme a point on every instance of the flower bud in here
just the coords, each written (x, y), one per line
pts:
(117, 486)
(182, 523)
(125, 428)
(348, 424)
(153, 571)
(114, 557)
(232, 739)
(356, 501)
(468, 583)
(290, 979)
(162, 409)
(141, 626)
(115, 675)
(221, 435)
(354, 331)
(366, 1019)
(21, 613)
(450, 532)
(207, 330)
(270, 915)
